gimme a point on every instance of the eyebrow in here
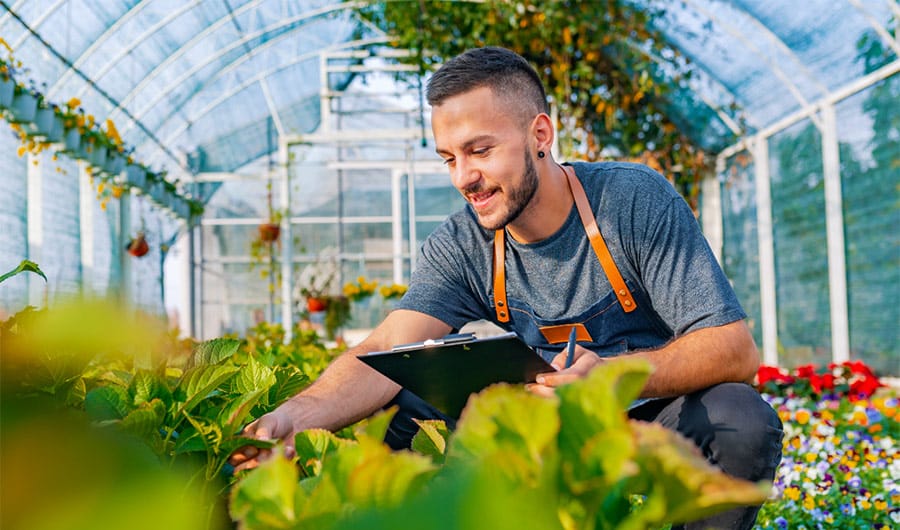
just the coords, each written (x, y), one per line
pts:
(467, 144)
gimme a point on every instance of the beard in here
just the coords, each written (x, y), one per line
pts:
(519, 197)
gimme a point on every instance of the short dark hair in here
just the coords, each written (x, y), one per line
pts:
(505, 72)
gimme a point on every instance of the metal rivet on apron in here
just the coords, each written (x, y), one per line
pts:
(500, 303)
(622, 292)
(627, 302)
(503, 314)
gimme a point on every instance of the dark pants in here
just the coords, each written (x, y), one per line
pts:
(735, 429)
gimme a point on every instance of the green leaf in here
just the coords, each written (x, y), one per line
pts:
(288, 382)
(264, 497)
(214, 351)
(24, 266)
(598, 403)
(146, 386)
(674, 472)
(106, 403)
(197, 383)
(233, 415)
(431, 440)
(511, 426)
(209, 432)
(376, 426)
(146, 420)
(384, 478)
(313, 446)
(252, 377)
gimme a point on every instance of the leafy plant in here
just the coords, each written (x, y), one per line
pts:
(516, 460)
(24, 266)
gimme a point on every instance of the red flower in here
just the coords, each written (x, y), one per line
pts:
(774, 374)
(805, 371)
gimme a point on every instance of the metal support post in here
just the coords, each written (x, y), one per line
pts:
(287, 245)
(834, 227)
(37, 289)
(767, 293)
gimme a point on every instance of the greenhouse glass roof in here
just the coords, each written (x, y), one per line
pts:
(203, 85)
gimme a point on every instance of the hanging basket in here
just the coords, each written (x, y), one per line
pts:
(138, 246)
(72, 140)
(115, 162)
(316, 305)
(136, 176)
(23, 108)
(57, 130)
(43, 122)
(269, 232)
(7, 90)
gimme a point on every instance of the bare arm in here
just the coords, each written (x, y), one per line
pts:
(689, 363)
(347, 391)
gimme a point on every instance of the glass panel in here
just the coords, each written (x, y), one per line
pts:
(870, 157)
(13, 219)
(801, 262)
(740, 246)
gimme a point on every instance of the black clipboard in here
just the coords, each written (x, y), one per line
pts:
(444, 372)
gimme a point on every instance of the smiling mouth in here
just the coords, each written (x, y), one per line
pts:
(480, 198)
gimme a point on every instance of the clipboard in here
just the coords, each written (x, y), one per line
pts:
(444, 372)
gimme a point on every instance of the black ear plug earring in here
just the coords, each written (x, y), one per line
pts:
(540, 154)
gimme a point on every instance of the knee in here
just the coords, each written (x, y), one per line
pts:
(747, 432)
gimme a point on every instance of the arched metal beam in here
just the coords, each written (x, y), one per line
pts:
(40, 20)
(162, 94)
(776, 70)
(726, 119)
(108, 33)
(877, 26)
(211, 28)
(262, 75)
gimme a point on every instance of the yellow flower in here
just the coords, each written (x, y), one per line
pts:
(802, 416)
(792, 493)
(73, 103)
(880, 504)
(809, 503)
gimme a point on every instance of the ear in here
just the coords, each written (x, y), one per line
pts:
(542, 132)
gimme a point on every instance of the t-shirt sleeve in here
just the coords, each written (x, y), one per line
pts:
(685, 283)
(440, 286)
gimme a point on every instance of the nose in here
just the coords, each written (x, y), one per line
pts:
(464, 175)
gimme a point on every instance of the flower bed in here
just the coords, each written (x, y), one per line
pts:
(841, 461)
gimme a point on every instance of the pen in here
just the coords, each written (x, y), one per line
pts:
(570, 356)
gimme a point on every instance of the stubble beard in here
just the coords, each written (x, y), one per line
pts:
(519, 197)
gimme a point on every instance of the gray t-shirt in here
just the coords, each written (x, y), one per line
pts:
(652, 235)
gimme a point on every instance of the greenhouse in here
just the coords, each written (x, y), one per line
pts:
(257, 178)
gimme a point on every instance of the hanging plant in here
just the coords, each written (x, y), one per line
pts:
(269, 232)
(138, 246)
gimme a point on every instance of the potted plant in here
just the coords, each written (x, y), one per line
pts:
(137, 246)
(316, 283)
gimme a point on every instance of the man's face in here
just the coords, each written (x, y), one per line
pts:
(484, 146)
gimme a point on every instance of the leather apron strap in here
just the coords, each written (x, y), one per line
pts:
(597, 243)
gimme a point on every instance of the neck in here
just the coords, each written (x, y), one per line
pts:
(548, 209)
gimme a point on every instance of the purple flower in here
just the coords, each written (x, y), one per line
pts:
(781, 522)
(854, 482)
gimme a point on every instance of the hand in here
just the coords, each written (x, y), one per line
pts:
(276, 425)
(584, 361)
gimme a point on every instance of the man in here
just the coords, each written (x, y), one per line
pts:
(608, 248)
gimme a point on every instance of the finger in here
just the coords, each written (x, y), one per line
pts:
(557, 379)
(559, 361)
(540, 390)
(250, 428)
(250, 464)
